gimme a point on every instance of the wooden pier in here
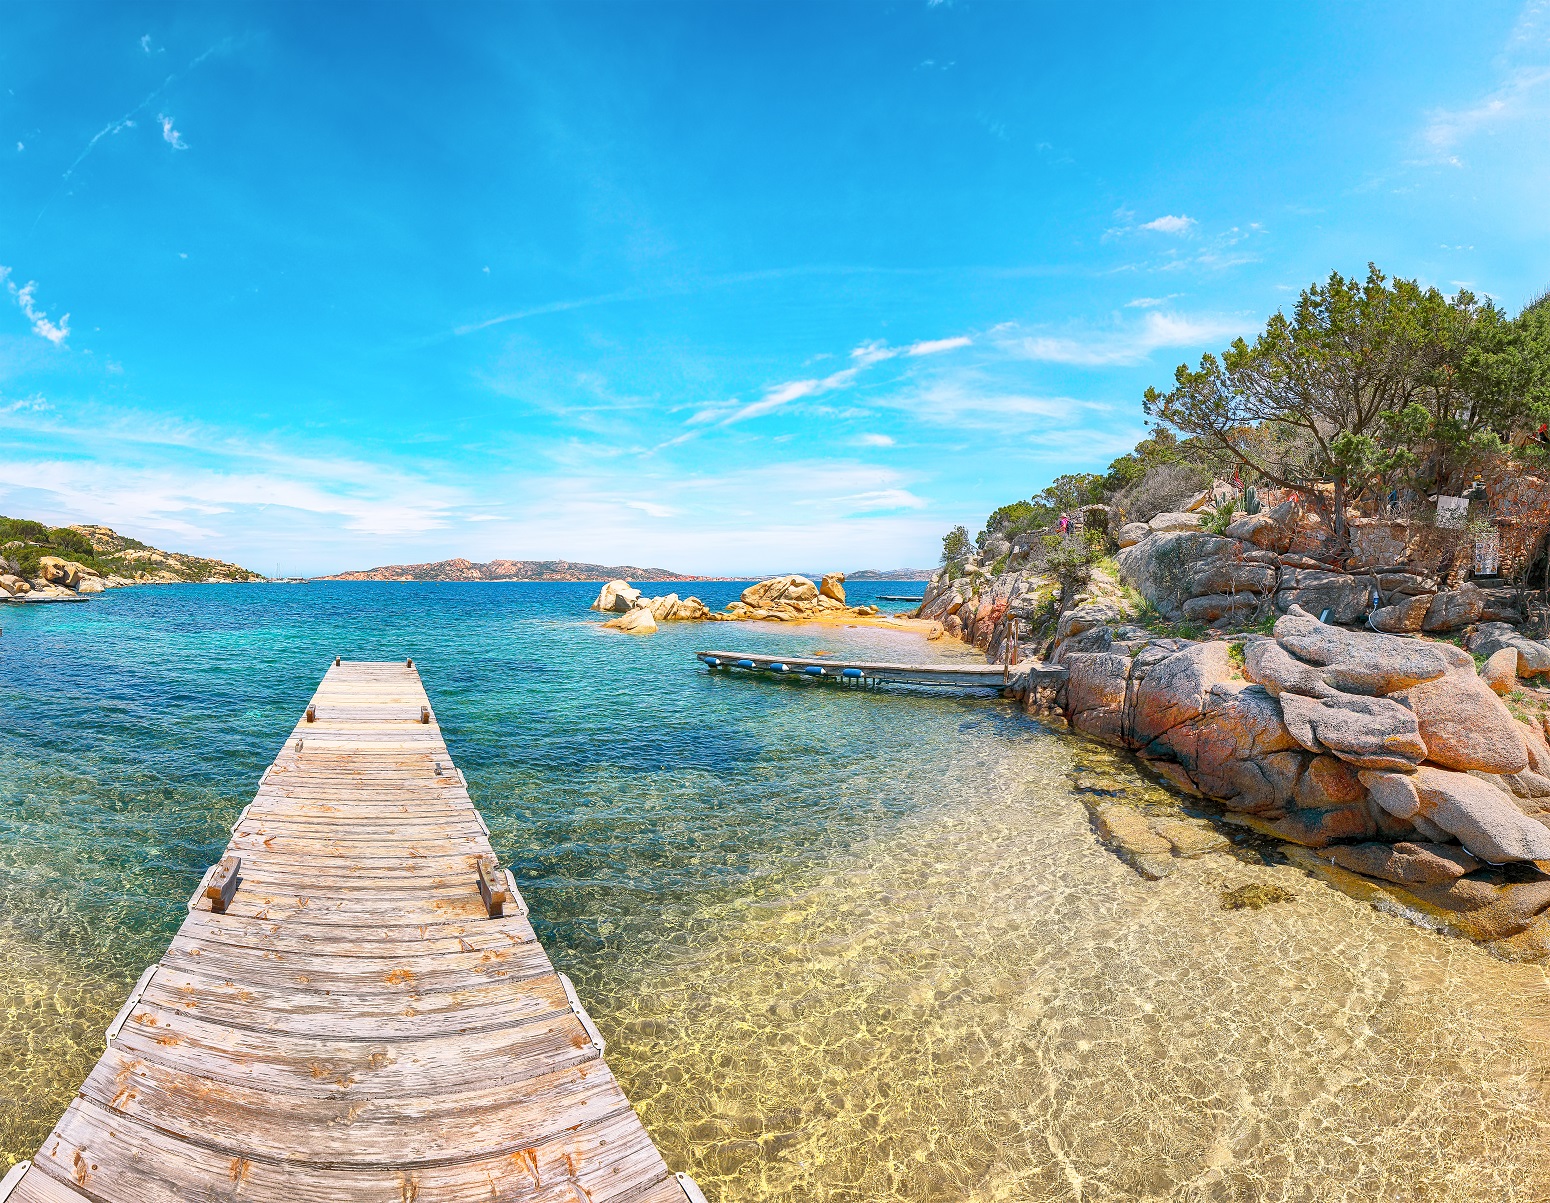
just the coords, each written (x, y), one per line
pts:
(860, 672)
(356, 1007)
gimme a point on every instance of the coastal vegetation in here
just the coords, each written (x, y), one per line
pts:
(104, 553)
(1370, 396)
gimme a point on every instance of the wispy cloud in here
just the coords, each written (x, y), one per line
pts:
(875, 440)
(1521, 93)
(1151, 302)
(127, 120)
(55, 332)
(1169, 224)
(861, 357)
(936, 346)
(169, 134)
(793, 390)
(651, 509)
(1129, 345)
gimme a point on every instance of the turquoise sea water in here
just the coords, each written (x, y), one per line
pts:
(844, 945)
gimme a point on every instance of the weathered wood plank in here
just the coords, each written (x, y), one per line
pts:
(355, 1011)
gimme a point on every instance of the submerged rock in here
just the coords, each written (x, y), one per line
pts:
(1415, 864)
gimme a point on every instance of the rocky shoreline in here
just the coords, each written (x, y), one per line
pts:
(779, 599)
(1404, 761)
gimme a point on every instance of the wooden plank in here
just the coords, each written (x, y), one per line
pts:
(348, 1011)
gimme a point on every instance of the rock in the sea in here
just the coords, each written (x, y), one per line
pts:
(1405, 863)
(616, 597)
(833, 585)
(91, 584)
(1485, 910)
(638, 621)
(788, 589)
(1464, 725)
(14, 584)
(1190, 839)
(1501, 671)
(1172, 689)
(1095, 694)
(1477, 814)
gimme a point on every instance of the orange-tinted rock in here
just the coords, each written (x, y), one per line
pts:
(1486, 911)
(1465, 726)
(1320, 828)
(1329, 782)
(1373, 733)
(1095, 694)
(1413, 864)
(1174, 689)
(1501, 671)
(1477, 814)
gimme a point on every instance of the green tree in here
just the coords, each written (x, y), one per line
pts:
(1327, 393)
(956, 545)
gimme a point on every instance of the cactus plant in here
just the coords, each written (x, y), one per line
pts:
(1251, 500)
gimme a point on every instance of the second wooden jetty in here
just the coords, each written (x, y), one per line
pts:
(355, 1008)
(863, 672)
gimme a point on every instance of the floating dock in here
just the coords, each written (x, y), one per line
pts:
(356, 1007)
(860, 672)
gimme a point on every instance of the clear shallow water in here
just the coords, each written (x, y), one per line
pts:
(844, 946)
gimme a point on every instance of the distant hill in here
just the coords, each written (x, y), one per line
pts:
(510, 570)
(117, 558)
(891, 574)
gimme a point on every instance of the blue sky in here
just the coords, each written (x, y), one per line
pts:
(723, 288)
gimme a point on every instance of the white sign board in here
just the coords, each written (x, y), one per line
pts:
(1452, 512)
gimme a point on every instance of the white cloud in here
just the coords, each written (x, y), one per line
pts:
(145, 43)
(874, 352)
(651, 509)
(862, 357)
(56, 333)
(21, 146)
(792, 390)
(169, 135)
(1521, 93)
(1169, 224)
(875, 440)
(1150, 302)
(884, 499)
(1132, 345)
(937, 345)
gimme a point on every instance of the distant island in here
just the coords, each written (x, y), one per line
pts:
(891, 574)
(511, 570)
(569, 570)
